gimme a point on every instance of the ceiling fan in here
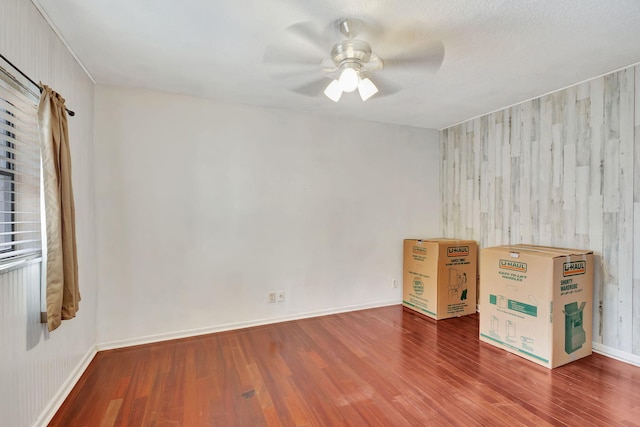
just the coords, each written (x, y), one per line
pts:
(350, 62)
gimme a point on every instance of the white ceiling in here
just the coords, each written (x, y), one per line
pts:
(497, 52)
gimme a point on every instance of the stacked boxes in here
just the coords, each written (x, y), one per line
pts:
(439, 278)
(537, 302)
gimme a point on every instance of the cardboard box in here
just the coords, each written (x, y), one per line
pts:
(439, 278)
(537, 302)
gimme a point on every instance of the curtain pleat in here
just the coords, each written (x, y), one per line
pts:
(63, 293)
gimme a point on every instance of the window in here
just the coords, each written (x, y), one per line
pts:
(20, 227)
(7, 187)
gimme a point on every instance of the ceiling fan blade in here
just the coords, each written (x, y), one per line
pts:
(314, 35)
(427, 56)
(370, 31)
(300, 57)
(313, 88)
(293, 79)
(295, 69)
(386, 87)
(409, 46)
(400, 35)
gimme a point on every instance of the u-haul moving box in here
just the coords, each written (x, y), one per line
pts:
(537, 302)
(439, 277)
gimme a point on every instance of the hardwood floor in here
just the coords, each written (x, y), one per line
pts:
(378, 367)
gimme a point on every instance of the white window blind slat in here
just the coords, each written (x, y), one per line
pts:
(20, 222)
(19, 243)
(26, 173)
(18, 253)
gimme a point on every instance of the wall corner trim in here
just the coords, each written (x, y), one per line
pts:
(614, 353)
(58, 399)
(58, 34)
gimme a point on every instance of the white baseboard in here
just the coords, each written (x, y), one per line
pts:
(50, 410)
(110, 345)
(614, 353)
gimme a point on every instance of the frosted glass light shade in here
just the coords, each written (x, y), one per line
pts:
(334, 91)
(349, 79)
(366, 89)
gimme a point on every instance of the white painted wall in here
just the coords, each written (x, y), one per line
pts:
(35, 366)
(203, 208)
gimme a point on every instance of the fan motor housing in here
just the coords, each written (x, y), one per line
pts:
(351, 51)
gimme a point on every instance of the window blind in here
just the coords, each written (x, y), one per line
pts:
(20, 226)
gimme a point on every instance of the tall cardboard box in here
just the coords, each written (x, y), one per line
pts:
(439, 278)
(537, 302)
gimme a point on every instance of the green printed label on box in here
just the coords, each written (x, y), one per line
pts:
(518, 306)
(521, 307)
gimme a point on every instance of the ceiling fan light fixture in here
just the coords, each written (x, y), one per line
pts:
(349, 79)
(334, 90)
(366, 89)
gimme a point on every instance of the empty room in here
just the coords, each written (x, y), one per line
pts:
(304, 213)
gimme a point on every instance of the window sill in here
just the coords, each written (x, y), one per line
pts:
(20, 262)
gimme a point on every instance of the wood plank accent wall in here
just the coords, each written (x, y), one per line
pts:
(560, 170)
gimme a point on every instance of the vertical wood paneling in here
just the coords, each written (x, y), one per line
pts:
(466, 192)
(20, 330)
(444, 207)
(449, 168)
(569, 192)
(596, 203)
(557, 148)
(476, 205)
(34, 363)
(514, 178)
(566, 173)
(490, 162)
(625, 212)
(524, 188)
(610, 178)
(610, 306)
(506, 177)
(582, 201)
(545, 181)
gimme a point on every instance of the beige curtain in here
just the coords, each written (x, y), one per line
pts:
(63, 294)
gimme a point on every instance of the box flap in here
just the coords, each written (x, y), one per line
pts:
(554, 250)
(534, 250)
(442, 240)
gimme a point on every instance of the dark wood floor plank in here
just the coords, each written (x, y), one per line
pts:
(378, 367)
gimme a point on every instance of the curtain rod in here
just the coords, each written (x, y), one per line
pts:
(71, 113)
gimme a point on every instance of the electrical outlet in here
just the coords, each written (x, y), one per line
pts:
(271, 297)
(394, 283)
(280, 296)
